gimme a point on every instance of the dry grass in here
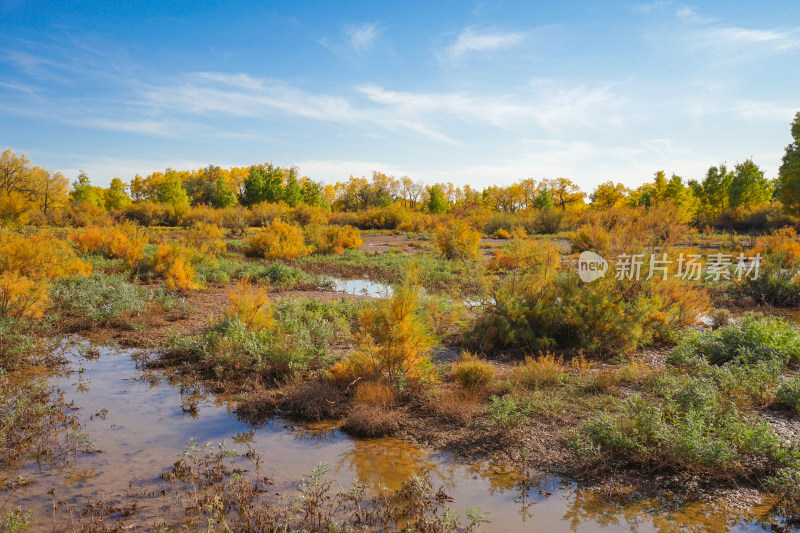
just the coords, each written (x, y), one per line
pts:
(372, 422)
(539, 372)
(473, 373)
(374, 394)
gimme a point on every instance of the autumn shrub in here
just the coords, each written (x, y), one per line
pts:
(268, 212)
(332, 239)
(305, 215)
(300, 337)
(539, 309)
(250, 304)
(501, 234)
(235, 219)
(393, 341)
(206, 239)
(173, 263)
(473, 373)
(416, 222)
(777, 281)
(122, 241)
(382, 217)
(458, 241)
(277, 240)
(148, 213)
(539, 371)
(202, 214)
(28, 266)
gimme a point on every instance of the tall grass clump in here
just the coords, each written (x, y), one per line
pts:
(473, 373)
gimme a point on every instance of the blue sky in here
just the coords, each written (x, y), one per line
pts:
(480, 93)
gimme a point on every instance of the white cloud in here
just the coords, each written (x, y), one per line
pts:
(361, 38)
(472, 40)
(776, 40)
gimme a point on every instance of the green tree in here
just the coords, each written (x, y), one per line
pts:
(116, 196)
(749, 186)
(789, 172)
(292, 193)
(437, 203)
(170, 191)
(84, 192)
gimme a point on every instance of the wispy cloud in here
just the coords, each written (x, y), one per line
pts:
(777, 40)
(363, 37)
(474, 40)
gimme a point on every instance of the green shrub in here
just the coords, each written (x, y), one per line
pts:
(789, 394)
(753, 339)
(503, 411)
(101, 297)
(692, 427)
(301, 337)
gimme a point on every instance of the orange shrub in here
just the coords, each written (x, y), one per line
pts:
(27, 265)
(202, 214)
(22, 297)
(206, 239)
(278, 240)
(309, 214)
(40, 257)
(458, 241)
(173, 263)
(267, 212)
(250, 304)
(784, 243)
(124, 241)
(332, 239)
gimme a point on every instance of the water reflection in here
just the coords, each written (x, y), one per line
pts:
(141, 425)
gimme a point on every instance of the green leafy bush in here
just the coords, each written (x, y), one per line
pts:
(753, 339)
(101, 297)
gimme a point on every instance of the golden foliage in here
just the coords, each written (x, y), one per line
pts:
(250, 304)
(784, 243)
(22, 297)
(332, 239)
(540, 371)
(40, 257)
(173, 263)
(123, 241)
(394, 340)
(27, 265)
(278, 240)
(473, 373)
(206, 239)
(458, 241)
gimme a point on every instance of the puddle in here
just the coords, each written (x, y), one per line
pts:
(362, 287)
(142, 426)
